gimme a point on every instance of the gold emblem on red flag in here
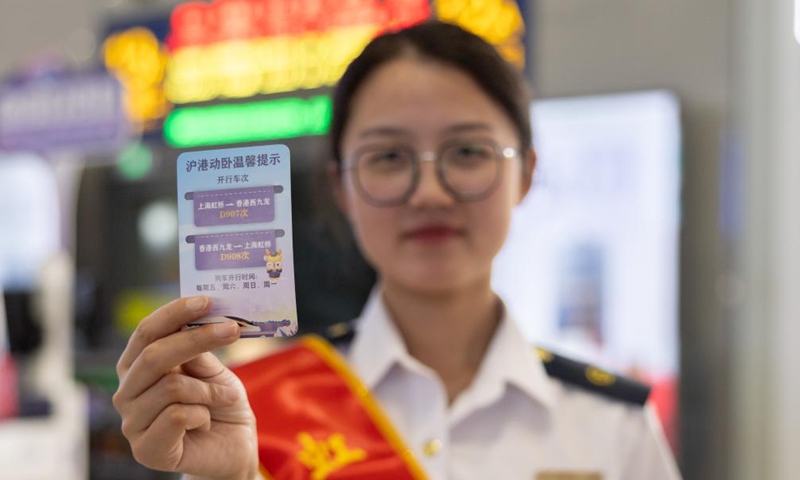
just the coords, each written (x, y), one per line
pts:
(324, 457)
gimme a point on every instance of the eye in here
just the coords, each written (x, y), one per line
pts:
(385, 159)
(473, 151)
(469, 154)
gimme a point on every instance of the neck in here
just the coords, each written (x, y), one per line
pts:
(447, 331)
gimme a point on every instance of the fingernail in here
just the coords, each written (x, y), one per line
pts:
(225, 330)
(197, 304)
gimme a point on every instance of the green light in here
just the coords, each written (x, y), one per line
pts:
(135, 161)
(248, 122)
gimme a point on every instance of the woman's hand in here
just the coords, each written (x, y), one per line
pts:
(182, 410)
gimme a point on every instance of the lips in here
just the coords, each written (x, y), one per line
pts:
(433, 233)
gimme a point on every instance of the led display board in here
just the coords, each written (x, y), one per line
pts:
(499, 22)
(251, 49)
(134, 51)
(241, 48)
(248, 122)
(138, 60)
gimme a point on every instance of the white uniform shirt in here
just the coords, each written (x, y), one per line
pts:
(513, 422)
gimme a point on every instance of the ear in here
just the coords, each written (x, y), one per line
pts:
(335, 178)
(528, 168)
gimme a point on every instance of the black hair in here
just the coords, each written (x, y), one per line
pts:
(446, 43)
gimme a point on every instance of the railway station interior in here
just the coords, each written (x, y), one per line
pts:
(660, 239)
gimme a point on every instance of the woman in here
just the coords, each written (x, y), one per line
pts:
(432, 149)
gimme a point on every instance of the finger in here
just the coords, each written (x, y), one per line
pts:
(162, 356)
(203, 367)
(138, 414)
(165, 321)
(161, 446)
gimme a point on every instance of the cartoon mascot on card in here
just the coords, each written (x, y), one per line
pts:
(274, 264)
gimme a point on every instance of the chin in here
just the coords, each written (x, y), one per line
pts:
(437, 281)
(432, 272)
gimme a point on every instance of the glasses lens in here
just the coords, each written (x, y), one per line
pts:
(470, 168)
(385, 175)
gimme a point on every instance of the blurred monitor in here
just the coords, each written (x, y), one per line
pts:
(29, 236)
(29, 219)
(590, 268)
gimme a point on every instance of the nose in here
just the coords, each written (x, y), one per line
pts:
(429, 192)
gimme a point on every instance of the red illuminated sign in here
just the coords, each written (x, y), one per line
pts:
(235, 49)
(198, 23)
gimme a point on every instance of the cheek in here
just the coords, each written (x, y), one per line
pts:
(491, 222)
(492, 217)
(373, 228)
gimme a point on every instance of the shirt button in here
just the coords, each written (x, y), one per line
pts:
(432, 447)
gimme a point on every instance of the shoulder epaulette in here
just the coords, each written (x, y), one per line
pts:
(593, 379)
(339, 333)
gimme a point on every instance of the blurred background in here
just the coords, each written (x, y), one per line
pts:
(661, 238)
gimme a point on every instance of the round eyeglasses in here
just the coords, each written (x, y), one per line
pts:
(388, 175)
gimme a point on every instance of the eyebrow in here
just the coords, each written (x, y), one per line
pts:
(396, 131)
(383, 131)
(468, 127)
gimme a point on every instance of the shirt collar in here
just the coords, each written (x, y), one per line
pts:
(513, 361)
(509, 360)
(377, 345)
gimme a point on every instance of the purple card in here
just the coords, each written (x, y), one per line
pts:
(220, 251)
(234, 206)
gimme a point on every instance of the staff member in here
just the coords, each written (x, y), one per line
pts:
(431, 153)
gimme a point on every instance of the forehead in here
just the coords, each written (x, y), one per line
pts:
(423, 98)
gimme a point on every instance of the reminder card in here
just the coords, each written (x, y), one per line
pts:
(235, 226)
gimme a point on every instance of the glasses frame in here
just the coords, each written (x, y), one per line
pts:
(501, 154)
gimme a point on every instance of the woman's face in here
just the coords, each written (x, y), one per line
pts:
(431, 243)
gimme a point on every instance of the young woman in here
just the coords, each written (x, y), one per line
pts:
(432, 150)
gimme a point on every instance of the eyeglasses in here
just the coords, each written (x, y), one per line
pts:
(469, 170)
